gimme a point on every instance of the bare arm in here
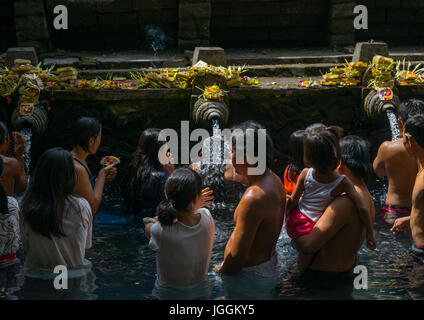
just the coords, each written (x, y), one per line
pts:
(149, 222)
(248, 221)
(328, 225)
(361, 204)
(21, 179)
(379, 164)
(84, 189)
(293, 201)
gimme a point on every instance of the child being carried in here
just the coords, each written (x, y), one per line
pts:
(318, 185)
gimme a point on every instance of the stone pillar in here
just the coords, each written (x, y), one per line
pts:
(194, 23)
(31, 25)
(342, 32)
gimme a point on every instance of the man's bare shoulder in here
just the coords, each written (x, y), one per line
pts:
(389, 148)
(342, 204)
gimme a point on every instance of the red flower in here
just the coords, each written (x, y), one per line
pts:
(52, 99)
(8, 100)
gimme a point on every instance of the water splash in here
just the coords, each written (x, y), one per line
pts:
(216, 154)
(393, 124)
(27, 134)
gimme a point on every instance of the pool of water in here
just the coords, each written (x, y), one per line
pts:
(124, 267)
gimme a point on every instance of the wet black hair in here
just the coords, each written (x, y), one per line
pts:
(84, 129)
(322, 149)
(296, 141)
(252, 125)
(3, 131)
(181, 188)
(315, 126)
(409, 108)
(355, 153)
(145, 167)
(4, 207)
(415, 127)
(52, 182)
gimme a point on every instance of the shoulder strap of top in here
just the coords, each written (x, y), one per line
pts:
(85, 167)
(336, 182)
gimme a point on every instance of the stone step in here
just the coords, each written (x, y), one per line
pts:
(129, 61)
(284, 70)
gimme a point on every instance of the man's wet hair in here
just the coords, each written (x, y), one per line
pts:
(322, 149)
(415, 127)
(84, 129)
(252, 125)
(410, 108)
(355, 153)
(3, 130)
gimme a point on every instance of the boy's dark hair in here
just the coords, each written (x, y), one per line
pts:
(415, 127)
(409, 108)
(315, 126)
(296, 141)
(322, 149)
(182, 187)
(84, 129)
(355, 153)
(252, 125)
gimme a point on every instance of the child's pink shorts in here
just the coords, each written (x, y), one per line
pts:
(297, 224)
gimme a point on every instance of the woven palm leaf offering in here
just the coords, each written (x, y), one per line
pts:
(22, 66)
(407, 77)
(30, 86)
(353, 73)
(213, 93)
(109, 160)
(67, 73)
(8, 82)
(382, 73)
(334, 77)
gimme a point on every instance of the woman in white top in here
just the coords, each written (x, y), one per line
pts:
(55, 225)
(183, 238)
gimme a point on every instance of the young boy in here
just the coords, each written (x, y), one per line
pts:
(399, 166)
(414, 143)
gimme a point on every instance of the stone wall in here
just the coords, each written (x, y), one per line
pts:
(7, 25)
(398, 22)
(269, 23)
(30, 24)
(115, 24)
(342, 32)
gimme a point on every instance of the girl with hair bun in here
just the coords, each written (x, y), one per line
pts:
(182, 234)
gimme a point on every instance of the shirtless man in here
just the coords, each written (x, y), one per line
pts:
(414, 144)
(14, 178)
(338, 234)
(400, 167)
(250, 251)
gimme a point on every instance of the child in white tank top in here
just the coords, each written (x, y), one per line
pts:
(318, 185)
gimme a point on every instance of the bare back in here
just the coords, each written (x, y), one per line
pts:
(13, 178)
(400, 169)
(338, 254)
(259, 216)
